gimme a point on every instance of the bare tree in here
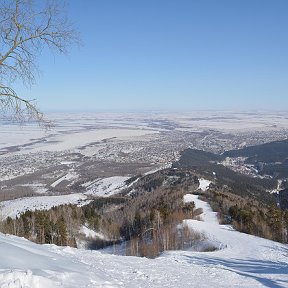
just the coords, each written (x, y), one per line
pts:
(26, 28)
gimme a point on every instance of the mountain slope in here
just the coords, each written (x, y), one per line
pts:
(246, 255)
(242, 261)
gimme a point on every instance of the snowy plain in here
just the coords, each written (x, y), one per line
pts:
(75, 129)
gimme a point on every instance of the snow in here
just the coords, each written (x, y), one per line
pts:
(242, 261)
(203, 184)
(91, 233)
(70, 139)
(72, 130)
(100, 187)
(208, 215)
(106, 187)
(82, 138)
(188, 198)
(14, 135)
(13, 208)
(240, 253)
(19, 278)
(169, 165)
(37, 187)
(68, 176)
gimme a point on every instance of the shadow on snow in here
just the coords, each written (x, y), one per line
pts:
(250, 268)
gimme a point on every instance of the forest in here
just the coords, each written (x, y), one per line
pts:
(269, 158)
(148, 215)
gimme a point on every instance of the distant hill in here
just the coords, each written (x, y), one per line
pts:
(272, 152)
(269, 158)
(197, 158)
(208, 164)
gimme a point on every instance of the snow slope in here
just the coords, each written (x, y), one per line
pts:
(242, 261)
(203, 184)
(68, 176)
(13, 208)
(106, 187)
(242, 254)
(91, 233)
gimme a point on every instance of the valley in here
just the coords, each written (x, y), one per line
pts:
(138, 186)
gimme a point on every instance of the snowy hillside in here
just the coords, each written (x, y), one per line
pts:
(104, 187)
(13, 208)
(242, 261)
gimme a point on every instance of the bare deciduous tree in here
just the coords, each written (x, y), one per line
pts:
(26, 28)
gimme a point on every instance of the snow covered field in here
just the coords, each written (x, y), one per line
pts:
(72, 139)
(100, 188)
(232, 120)
(245, 261)
(13, 208)
(72, 130)
(106, 187)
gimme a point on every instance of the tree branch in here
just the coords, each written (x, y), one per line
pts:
(24, 31)
(23, 109)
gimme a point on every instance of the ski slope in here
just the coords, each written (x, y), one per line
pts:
(242, 261)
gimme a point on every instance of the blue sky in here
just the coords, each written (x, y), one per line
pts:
(170, 55)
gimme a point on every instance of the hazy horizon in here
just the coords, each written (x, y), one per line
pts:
(141, 111)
